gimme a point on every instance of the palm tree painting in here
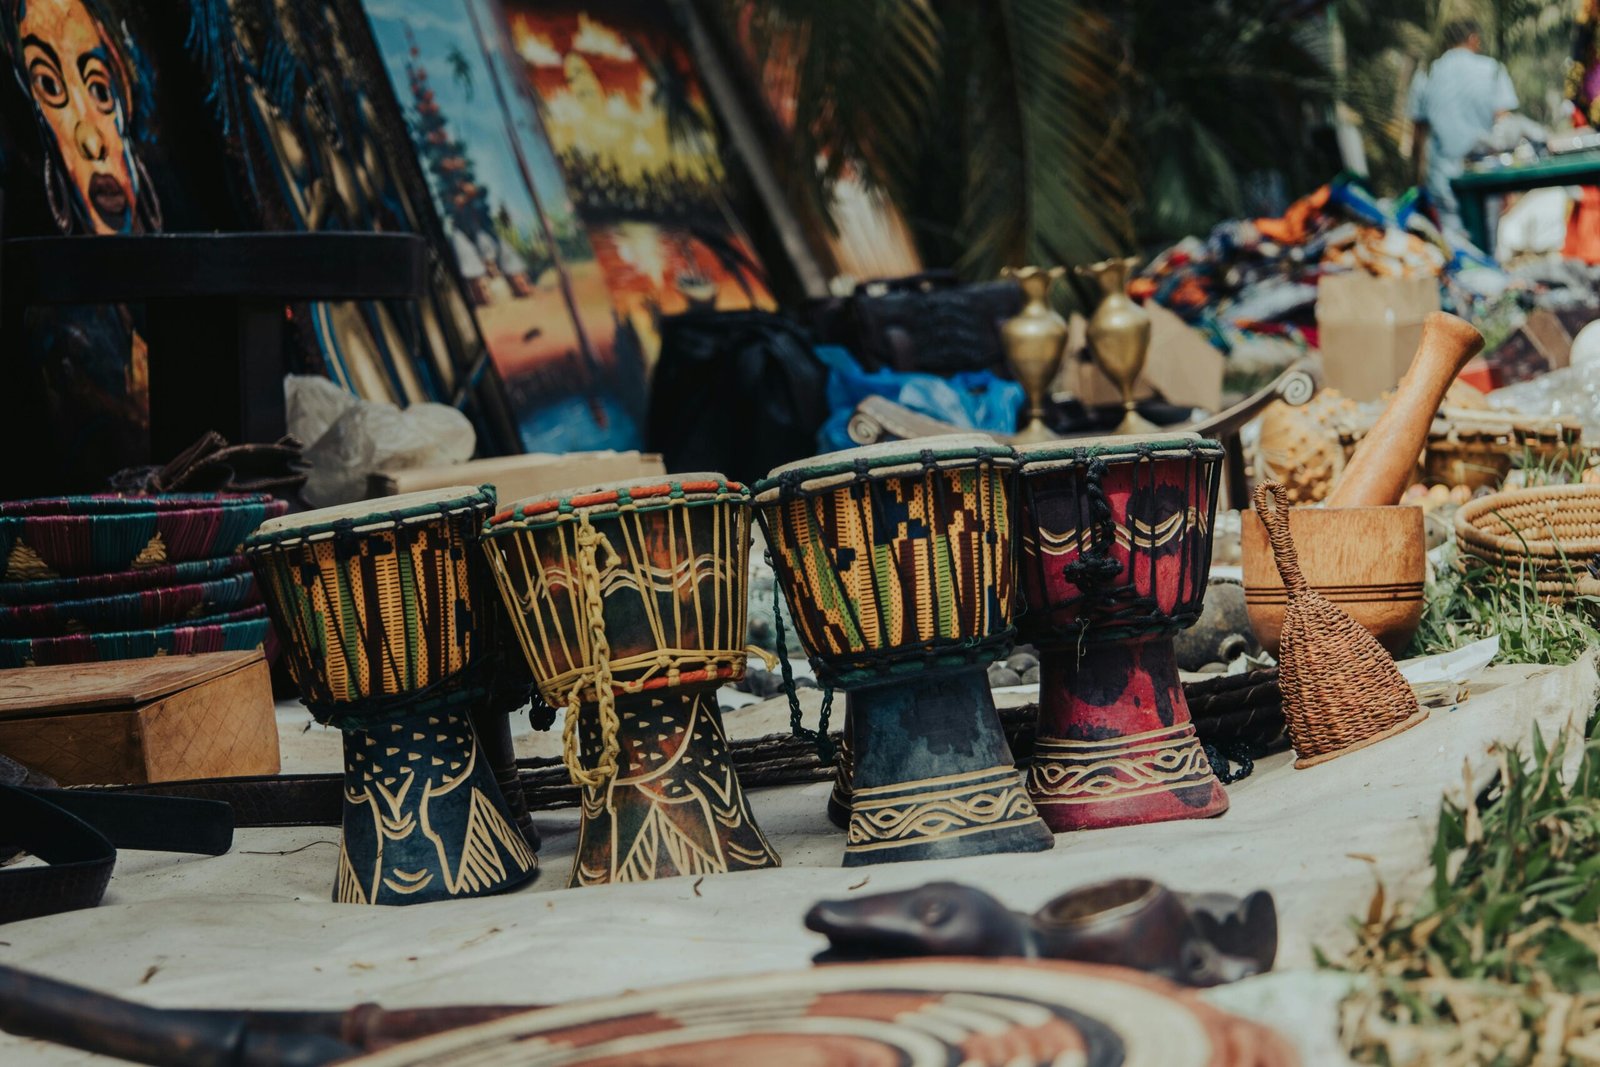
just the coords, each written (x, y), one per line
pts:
(572, 368)
(623, 107)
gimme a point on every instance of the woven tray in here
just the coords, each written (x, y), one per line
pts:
(234, 632)
(59, 536)
(89, 586)
(143, 610)
(1548, 535)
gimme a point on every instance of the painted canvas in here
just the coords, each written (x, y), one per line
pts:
(288, 107)
(573, 364)
(624, 109)
(869, 238)
(92, 148)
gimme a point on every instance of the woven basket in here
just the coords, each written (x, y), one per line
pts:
(60, 537)
(1341, 690)
(233, 632)
(1549, 535)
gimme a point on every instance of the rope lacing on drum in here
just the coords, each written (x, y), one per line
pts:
(589, 542)
(1095, 568)
(465, 687)
(1095, 565)
(818, 737)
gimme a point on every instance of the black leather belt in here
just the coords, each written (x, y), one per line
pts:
(77, 834)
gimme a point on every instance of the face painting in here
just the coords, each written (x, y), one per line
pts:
(76, 82)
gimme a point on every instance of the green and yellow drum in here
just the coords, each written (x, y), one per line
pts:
(383, 609)
(629, 602)
(898, 565)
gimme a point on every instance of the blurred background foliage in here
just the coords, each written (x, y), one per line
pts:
(1062, 131)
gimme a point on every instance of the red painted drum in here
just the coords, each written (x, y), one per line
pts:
(1115, 552)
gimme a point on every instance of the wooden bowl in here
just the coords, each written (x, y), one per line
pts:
(1369, 561)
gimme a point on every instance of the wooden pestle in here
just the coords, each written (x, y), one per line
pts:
(1381, 468)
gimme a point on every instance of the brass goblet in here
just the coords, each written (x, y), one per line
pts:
(1034, 342)
(1119, 337)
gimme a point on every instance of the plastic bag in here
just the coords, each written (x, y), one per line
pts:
(352, 438)
(1569, 392)
(975, 400)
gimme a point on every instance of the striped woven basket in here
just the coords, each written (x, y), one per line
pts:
(55, 537)
(1549, 536)
(144, 609)
(92, 586)
(233, 632)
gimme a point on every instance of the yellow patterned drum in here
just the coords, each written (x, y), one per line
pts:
(629, 601)
(382, 608)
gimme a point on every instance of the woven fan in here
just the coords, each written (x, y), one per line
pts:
(1341, 691)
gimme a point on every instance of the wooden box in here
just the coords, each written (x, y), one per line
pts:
(520, 477)
(147, 720)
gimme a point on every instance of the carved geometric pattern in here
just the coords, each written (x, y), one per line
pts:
(918, 813)
(1082, 772)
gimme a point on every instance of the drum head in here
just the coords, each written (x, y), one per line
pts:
(987, 1013)
(378, 514)
(1045, 455)
(887, 458)
(605, 495)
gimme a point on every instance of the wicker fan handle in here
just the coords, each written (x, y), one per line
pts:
(1272, 505)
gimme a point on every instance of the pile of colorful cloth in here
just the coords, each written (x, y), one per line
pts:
(1253, 278)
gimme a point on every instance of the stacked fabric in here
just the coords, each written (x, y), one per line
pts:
(90, 578)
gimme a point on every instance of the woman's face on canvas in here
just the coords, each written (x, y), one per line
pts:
(74, 78)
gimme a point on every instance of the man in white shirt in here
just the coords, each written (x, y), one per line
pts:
(1454, 104)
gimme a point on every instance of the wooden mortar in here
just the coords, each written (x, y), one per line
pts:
(1369, 561)
(1381, 468)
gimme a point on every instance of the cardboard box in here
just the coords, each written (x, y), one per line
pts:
(1369, 329)
(519, 477)
(128, 722)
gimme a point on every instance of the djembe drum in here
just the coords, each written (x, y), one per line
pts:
(897, 562)
(628, 600)
(381, 607)
(1116, 550)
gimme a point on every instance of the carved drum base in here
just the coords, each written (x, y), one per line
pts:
(424, 819)
(844, 768)
(933, 776)
(1116, 746)
(675, 806)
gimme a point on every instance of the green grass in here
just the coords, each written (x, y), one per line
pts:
(1488, 601)
(1497, 962)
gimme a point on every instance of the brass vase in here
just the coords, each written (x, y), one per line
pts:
(1034, 342)
(1119, 336)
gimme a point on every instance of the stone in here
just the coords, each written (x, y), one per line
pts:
(1002, 676)
(1021, 662)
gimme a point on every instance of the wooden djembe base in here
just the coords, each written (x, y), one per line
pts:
(424, 819)
(1116, 746)
(932, 775)
(675, 806)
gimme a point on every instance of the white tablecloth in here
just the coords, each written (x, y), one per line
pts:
(256, 928)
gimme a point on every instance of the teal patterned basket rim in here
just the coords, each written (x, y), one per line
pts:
(116, 504)
(238, 630)
(841, 470)
(118, 583)
(636, 495)
(39, 541)
(1112, 450)
(480, 499)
